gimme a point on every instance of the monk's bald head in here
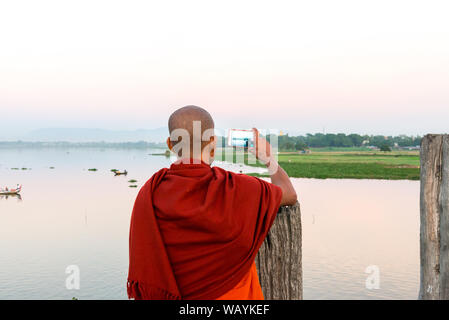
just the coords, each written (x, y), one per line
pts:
(193, 121)
(184, 118)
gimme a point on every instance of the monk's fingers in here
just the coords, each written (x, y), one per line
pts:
(256, 134)
(256, 137)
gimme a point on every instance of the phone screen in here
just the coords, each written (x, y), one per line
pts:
(241, 138)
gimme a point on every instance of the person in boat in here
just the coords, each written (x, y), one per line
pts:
(196, 229)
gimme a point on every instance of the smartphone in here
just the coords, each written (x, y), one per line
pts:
(241, 138)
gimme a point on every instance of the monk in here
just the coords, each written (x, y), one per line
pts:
(196, 228)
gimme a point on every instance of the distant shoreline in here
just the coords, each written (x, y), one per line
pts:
(65, 144)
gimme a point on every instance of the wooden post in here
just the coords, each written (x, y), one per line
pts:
(434, 230)
(279, 262)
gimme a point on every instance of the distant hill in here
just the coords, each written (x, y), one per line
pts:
(96, 135)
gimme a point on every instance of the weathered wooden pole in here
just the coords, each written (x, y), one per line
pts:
(434, 230)
(279, 262)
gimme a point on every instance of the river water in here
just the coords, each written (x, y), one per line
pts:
(360, 237)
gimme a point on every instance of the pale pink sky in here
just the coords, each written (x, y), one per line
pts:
(346, 66)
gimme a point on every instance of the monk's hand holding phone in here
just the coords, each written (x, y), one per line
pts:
(263, 152)
(262, 149)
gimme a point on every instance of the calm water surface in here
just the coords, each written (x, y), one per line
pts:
(71, 216)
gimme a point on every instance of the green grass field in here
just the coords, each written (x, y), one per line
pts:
(344, 164)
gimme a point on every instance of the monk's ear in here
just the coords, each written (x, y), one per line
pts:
(169, 144)
(213, 144)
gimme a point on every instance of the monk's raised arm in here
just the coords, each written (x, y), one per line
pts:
(279, 177)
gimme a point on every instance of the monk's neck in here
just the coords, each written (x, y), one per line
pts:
(205, 160)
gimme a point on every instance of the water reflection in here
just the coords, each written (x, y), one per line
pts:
(350, 225)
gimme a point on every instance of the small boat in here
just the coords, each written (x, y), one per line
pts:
(16, 195)
(119, 173)
(8, 192)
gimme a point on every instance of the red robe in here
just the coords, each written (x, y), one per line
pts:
(196, 230)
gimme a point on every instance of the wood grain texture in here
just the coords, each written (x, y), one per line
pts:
(434, 218)
(279, 261)
(444, 220)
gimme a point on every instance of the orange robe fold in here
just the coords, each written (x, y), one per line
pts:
(247, 289)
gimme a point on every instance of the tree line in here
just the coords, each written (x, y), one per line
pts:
(341, 140)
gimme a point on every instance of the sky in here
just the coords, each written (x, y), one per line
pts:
(368, 67)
